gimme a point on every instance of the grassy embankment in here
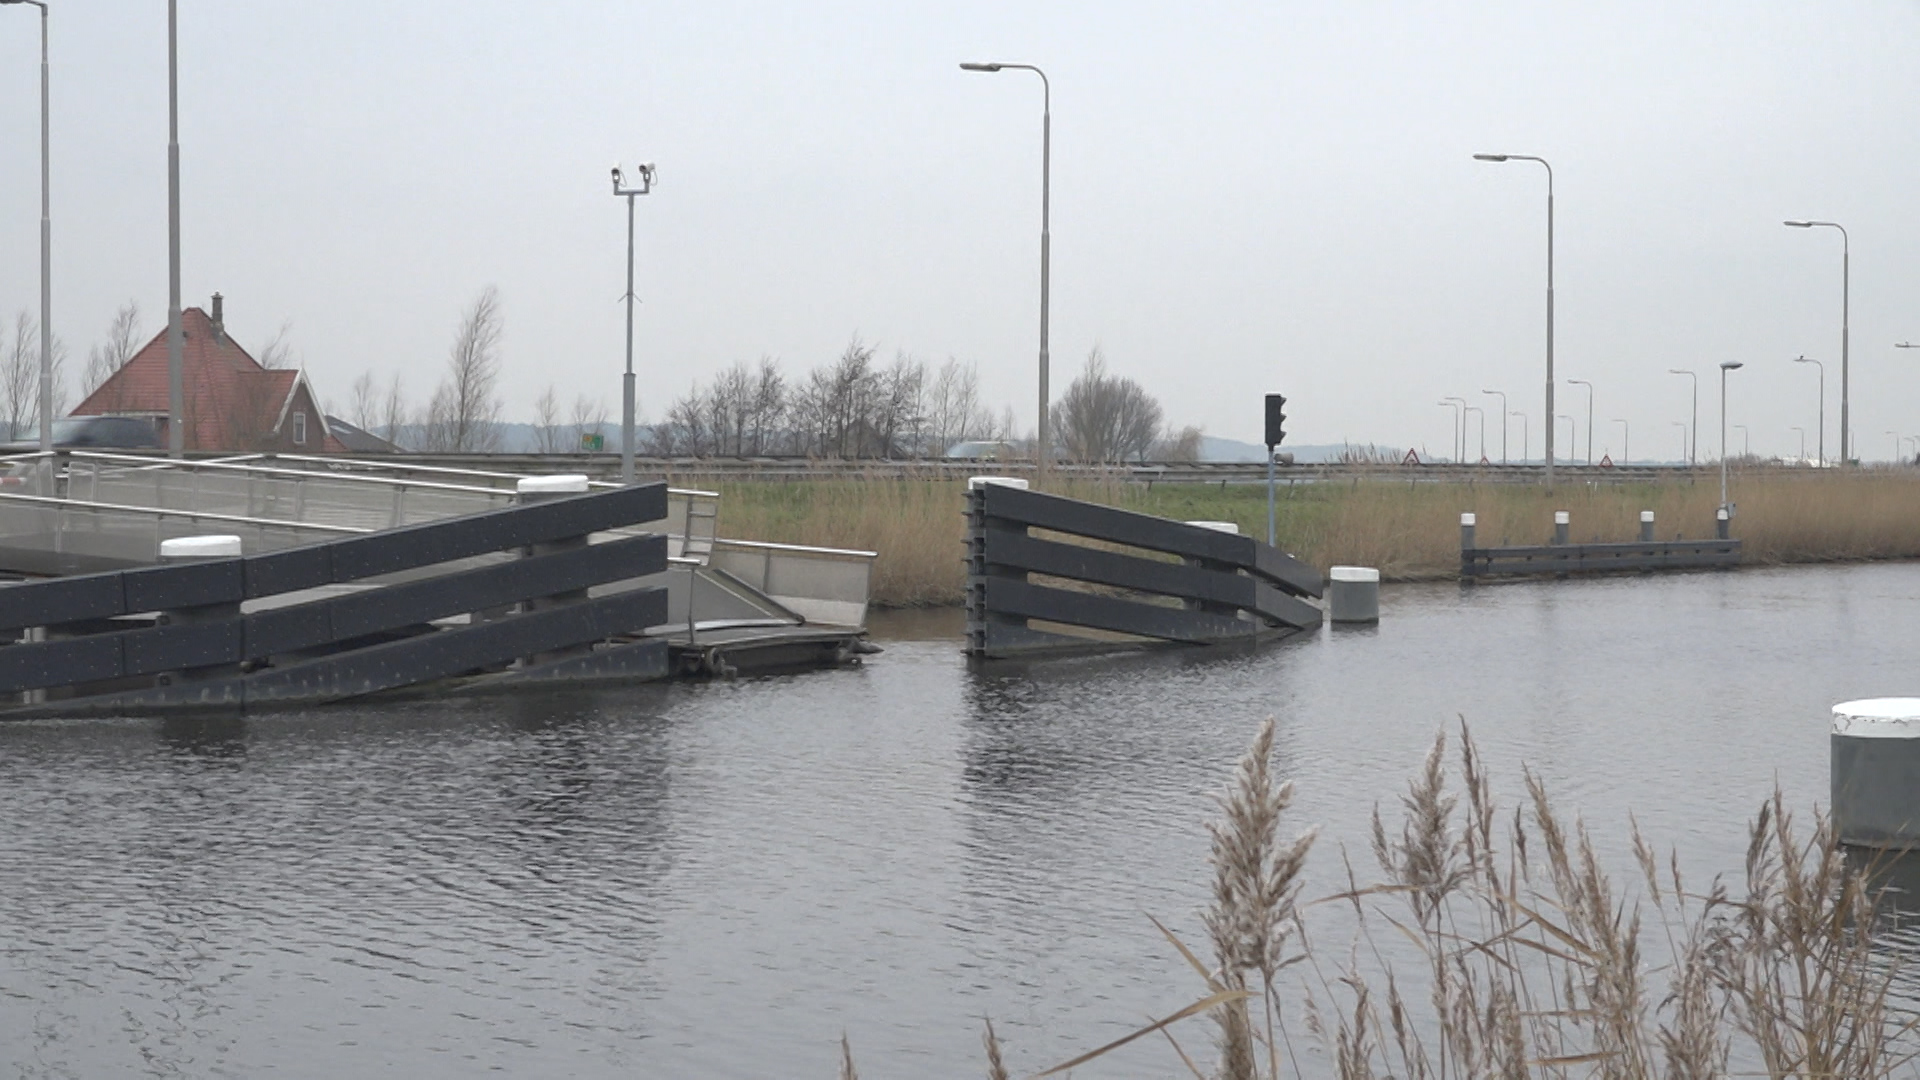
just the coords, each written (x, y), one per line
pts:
(1410, 531)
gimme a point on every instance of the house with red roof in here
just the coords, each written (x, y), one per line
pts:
(230, 402)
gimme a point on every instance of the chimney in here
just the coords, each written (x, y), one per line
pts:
(219, 319)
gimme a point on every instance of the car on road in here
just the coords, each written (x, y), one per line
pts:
(93, 433)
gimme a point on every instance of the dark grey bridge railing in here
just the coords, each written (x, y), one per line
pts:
(175, 636)
(1207, 587)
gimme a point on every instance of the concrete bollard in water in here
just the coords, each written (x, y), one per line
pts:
(1875, 759)
(1353, 594)
(1720, 523)
(1646, 526)
(1562, 522)
(1466, 531)
(184, 549)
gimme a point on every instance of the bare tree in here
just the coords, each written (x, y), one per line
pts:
(363, 405)
(463, 415)
(954, 412)
(769, 405)
(278, 351)
(393, 411)
(20, 374)
(108, 357)
(589, 418)
(546, 423)
(1105, 418)
(1181, 445)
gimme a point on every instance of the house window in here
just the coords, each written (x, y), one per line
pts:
(299, 429)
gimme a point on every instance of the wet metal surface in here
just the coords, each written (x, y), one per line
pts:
(718, 879)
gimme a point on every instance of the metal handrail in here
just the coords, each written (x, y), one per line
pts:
(198, 515)
(191, 466)
(768, 545)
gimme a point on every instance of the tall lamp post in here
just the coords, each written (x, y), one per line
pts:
(1549, 412)
(1682, 425)
(1803, 442)
(1483, 432)
(1746, 440)
(46, 247)
(1589, 386)
(620, 188)
(1503, 422)
(1458, 424)
(1526, 440)
(1846, 271)
(1046, 185)
(1821, 447)
(1626, 446)
(1725, 366)
(1460, 439)
(176, 334)
(1692, 455)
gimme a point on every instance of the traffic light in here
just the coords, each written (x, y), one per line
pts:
(1275, 420)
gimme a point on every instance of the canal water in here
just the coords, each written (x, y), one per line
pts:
(719, 880)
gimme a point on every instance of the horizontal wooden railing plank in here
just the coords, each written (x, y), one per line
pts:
(1020, 599)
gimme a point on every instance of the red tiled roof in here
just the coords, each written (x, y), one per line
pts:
(229, 399)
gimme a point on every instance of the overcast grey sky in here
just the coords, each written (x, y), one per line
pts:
(1246, 197)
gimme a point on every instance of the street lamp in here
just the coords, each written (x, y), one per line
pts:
(1458, 425)
(1746, 440)
(46, 248)
(620, 189)
(1803, 443)
(1483, 432)
(1822, 441)
(1682, 425)
(1503, 423)
(1460, 439)
(1626, 447)
(1549, 412)
(1573, 432)
(176, 333)
(1526, 440)
(1846, 263)
(1589, 386)
(1725, 366)
(1692, 456)
(1046, 185)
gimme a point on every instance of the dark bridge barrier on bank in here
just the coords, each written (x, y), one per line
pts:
(352, 616)
(1220, 586)
(1561, 558)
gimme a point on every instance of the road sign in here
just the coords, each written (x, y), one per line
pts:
(1606, 461)
(592, 441)
(1411, 458)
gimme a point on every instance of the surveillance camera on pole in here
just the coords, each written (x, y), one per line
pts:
(620, 189)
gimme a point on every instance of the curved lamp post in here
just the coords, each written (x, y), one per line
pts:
(1821, 442)
(1725, 366)
(1044, 449)
(1692, 456)
(1503, 422)
(1589, 386)
(1682, 425)
(1549, 412)
(1626, 447)
(1459, 425)
(1846, 263)
(1483, 432)
(46, 248)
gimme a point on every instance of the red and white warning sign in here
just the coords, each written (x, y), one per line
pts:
(1412, 458)
(1606, 461)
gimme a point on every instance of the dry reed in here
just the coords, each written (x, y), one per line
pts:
(1409, 530)
(1528, 959)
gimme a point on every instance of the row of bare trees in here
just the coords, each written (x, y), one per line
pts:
(855, 407)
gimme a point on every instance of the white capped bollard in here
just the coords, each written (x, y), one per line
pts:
(1216, 526)
(1467, 522)
(976, 482)
(1562, 521)
(1875, 763)
(199, 547)
(1353, 594)
(550, 486)
(1646, 526)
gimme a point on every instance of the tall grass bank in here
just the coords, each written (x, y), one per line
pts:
(1410, 530)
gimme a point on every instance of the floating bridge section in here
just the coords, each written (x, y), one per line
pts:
(492, 597)
(1048, 574)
